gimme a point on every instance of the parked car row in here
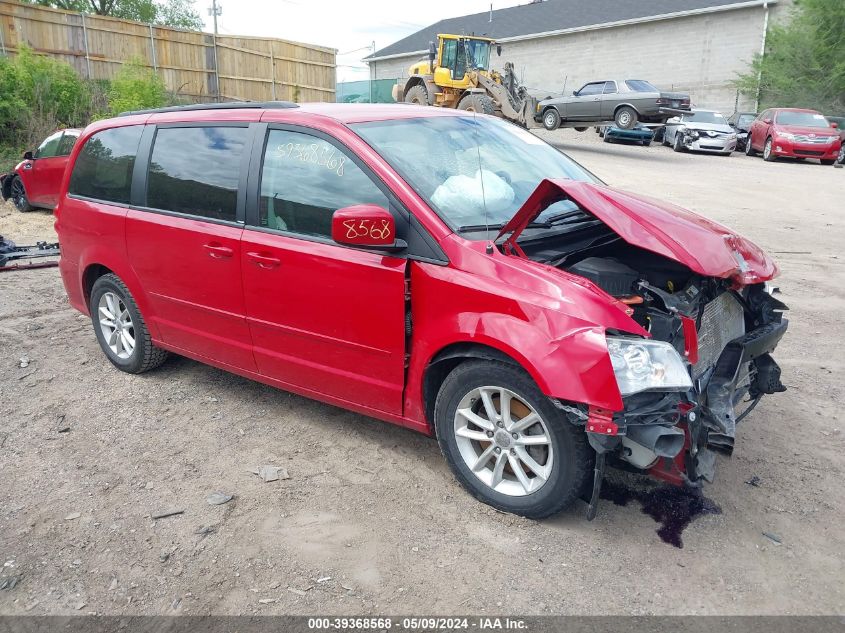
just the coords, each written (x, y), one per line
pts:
(775, 133)
(35, 181)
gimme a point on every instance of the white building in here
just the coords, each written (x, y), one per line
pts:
(696, 46)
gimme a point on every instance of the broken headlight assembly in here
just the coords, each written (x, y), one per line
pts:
(643, 365)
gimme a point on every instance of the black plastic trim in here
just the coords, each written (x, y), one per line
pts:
(235, 105)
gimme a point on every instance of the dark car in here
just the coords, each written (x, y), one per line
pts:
(623, 101)
(36, 180)
(741, 122)
(639, 134)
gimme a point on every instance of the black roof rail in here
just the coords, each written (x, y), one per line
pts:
(231, 105)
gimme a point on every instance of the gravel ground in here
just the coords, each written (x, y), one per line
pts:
(371, 520)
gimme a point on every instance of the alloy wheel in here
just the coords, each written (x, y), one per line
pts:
(116, 325)
(767, 149)
(841, 157)
(18, 194)
(504, 441)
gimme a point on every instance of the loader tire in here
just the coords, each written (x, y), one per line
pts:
(477, 103)
(417, 94)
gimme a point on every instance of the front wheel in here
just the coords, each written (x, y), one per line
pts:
(841, 158)
(477, 103)
(19, 197)
(506, 443)
(121, 331)
(418, 95)
(679, 142)
(625, 118)
(768, 154)
(551, 119)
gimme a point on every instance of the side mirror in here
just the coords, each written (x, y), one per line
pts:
(366, 226)
(834, 124)
(767, 121)
(499, 50)
(574, 93)
(27, 156)
(432, 54)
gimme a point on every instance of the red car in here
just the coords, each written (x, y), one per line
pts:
(793, 133)
(445, 271)
(37, 179)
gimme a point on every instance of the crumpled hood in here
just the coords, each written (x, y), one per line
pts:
(704, 246)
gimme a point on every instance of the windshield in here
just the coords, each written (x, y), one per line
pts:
(804, 119)
(473, 171)
(706, 117)
(638, 85)
(746, 119)
(477, 52)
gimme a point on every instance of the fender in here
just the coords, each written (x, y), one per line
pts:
(630, 105)
(560, 342)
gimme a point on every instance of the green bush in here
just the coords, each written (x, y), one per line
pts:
(37, 95)
(136, 87)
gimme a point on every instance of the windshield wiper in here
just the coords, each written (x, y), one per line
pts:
(469, 228)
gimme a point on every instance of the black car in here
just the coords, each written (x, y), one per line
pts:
(741, 122)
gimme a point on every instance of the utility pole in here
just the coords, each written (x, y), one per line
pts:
(214, 11)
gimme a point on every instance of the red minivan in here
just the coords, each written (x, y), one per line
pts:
(37, 179)
(445, 271)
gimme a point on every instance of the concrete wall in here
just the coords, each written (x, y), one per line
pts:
(697, 54)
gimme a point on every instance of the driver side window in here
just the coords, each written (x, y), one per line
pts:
(50, 146)
(591, 89)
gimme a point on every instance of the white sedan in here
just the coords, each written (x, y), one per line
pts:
(701, 131)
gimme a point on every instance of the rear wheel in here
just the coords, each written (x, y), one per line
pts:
(19, 198)
(477, 103)
(506, 443)
(749, 151)
(768, 154)
(551, 119)
(120, 328)
(417, 94)
(626, 117)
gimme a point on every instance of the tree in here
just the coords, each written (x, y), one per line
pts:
(176, 13)
(804, 61)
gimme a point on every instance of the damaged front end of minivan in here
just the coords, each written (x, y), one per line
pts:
(700, 294)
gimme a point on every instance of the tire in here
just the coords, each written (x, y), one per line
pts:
(625, 117)
(551, 119)
(19, 198)
(417, 94)
(768, 154)
(581, 129)
(827, 161)
(646, 143)
(108, 295)
(477, 103)
(841, 158)
(565, 459)
(678, 145)
(749, 151)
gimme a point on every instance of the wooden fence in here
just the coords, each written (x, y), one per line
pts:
(193, 64)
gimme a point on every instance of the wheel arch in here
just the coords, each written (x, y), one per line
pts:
(447, 358)
(626, 104)
(428, 84)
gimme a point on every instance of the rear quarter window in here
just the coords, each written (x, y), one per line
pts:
(103, 169)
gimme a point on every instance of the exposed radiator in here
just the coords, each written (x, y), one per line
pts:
(722, 322)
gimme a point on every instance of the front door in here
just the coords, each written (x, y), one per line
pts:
(45, 177)
(324, 318)
(586, 105)
(185, 243)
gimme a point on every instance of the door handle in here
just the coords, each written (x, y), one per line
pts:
(217, 251)
(264, 261)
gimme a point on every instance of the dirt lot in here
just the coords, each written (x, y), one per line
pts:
(371, 520)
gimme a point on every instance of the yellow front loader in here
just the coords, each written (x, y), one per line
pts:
(457, 75)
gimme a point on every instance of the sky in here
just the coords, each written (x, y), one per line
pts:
(350, 27)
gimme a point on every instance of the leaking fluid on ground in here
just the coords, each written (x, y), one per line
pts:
(671, 506)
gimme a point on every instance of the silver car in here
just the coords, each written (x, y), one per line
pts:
(700, 131)
(625, 102)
